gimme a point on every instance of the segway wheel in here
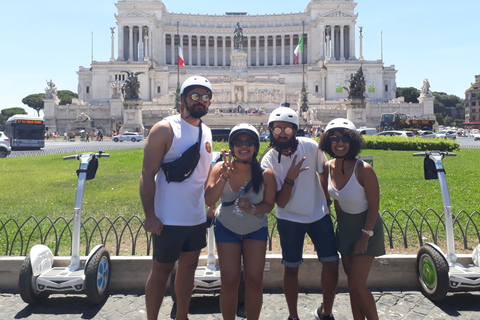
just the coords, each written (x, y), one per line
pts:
(432, 272)
(172, 283)
(97, 276)
(26, 282)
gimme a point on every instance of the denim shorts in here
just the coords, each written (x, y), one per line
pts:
(175, 239)
(222, 234)
(292, 237)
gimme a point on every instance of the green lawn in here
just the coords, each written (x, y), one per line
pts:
(43, 186)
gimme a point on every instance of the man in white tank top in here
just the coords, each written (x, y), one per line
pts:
(175, 211)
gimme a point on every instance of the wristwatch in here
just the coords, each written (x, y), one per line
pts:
(369, 232)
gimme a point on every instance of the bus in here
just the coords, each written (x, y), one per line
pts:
(25, 132)
(400, 121)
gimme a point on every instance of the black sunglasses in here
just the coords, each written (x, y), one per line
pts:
(240, 143)
(196, 96)
(336, 139)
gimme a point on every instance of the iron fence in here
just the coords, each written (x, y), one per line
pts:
(126, 236)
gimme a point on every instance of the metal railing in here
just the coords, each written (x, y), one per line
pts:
(126, 236)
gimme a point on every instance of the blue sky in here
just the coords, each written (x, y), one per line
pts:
(50, 39)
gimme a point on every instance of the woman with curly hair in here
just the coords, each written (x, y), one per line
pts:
(354, 187)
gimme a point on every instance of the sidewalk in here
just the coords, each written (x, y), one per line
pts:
(390, 304)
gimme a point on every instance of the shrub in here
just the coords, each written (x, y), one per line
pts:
(414, 144)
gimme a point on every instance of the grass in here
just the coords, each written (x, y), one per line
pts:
(42, 186)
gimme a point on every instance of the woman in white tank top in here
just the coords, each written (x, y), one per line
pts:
(354, 187)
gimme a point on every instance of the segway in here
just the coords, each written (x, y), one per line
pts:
(207, 278)
(39, 278)
(439, 273)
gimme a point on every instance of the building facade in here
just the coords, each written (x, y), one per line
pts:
(472, 102)
(255, 71)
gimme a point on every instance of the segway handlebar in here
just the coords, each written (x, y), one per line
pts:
(100, 154)
(435, 153)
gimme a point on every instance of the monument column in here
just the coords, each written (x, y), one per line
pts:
(140, 43)
(321, 29)
(332, 37)
(249, 50)
(282, 62)
(291, 49)
(352, 41)
(257, 50)
(120, 43)
(274, 50)
(164, 58)
(224, 52)
(207, 49)
(190, 58)
(199, 57)
(342, 43)
(172, 50)
(215, 51)
(265, 62)
(130, 43)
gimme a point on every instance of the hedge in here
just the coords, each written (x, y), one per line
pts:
(415, 144)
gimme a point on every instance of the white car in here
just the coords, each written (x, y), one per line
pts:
(426, 134)
(476, 136)
(450, 134)
(5, 148)
(128, 136)
(406, 134)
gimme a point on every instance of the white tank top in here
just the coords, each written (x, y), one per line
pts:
(351, 197)
(183, 203)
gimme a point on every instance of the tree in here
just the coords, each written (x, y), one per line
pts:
(410, 94)
(7, 113)
(66, 96)
(35, 101)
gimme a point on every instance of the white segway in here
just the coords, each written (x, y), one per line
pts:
(437, 272)
(207, 278)
(39, 278)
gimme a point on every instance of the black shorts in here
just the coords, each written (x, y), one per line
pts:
(175, 239)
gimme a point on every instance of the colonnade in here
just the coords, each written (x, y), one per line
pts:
(329, 42)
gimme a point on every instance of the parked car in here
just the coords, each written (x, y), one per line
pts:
(367, 131)
(220, 134)
(426, 134)
(450, 134)
(476, 136)
(406, 134)
(5, 148)
(302, 133)
(128, 136)
(265, 137)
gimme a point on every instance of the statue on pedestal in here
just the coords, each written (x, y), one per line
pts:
(131, 88)
(238, 37)
(425, 91)
(50, 90)
(357, 85)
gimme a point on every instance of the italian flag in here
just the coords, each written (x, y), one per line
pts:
(181, 62)
(298, 49)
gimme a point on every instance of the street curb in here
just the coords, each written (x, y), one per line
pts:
(129, 273)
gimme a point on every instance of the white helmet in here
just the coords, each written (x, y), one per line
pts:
(244, 128)
(197, 81)
(340, 123)
(284, 114)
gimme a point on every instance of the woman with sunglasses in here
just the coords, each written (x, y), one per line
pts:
(354, 187)
(243, 234)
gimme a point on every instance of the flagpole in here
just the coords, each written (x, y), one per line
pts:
(303, 54)
(177, 95)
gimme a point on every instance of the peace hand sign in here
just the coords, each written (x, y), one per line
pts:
(227, 166)
(296, 168)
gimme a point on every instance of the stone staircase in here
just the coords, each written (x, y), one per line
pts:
(229, 120)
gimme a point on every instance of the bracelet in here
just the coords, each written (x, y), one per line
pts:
(252, 208)
(223, 178)
(289, 181)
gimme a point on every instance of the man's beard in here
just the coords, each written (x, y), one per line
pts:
(196, 112)
(292, 142)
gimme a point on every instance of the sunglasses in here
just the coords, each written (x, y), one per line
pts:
(196, 96)
(336, 139)
(240, 143)
(278, 130)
